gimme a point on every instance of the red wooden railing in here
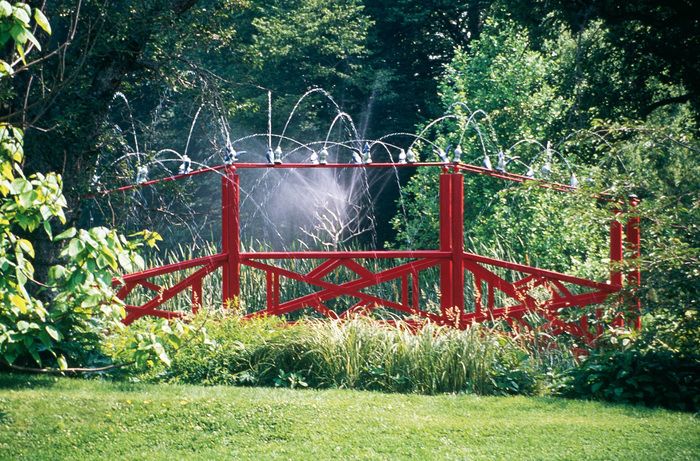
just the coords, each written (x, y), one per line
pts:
(494, 297)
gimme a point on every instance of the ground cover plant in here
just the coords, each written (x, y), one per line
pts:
(357, 353)
(59, 418)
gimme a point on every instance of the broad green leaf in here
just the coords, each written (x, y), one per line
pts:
(47, 229)
(26, 246)
(67, 234)
(19, 302)
(29, 36)
(21, 15)
(53, 332)
(75, 247)
(42, 21)
(5, 9)
(6, 68)
(20, 51)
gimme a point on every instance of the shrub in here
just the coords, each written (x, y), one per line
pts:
(357, 354)
(638, 375)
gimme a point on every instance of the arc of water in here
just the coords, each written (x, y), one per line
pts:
(121, 95)
(304, 96)
(194, 122)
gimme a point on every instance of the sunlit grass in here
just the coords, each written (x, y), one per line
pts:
(45, 418)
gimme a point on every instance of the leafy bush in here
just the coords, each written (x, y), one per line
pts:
(77, 303)
(358, 354)
(638, 375)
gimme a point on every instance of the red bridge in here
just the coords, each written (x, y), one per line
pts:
(494, 297)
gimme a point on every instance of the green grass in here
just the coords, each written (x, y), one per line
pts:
(47, 418)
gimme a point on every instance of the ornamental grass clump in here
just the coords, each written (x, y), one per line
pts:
(358, 353)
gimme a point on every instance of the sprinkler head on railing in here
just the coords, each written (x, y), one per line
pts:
(230, 156)
(314, 158)
(458, 154)
(573, 181)
(186, 165)
(366, 154)
(411, 156)
(356, 157)
(402, 156)
(142, 174)
(278, 155)
(501, 165)
(546, 169)
(487, 162)
(443, 154)
(270, 154)
(323, 158)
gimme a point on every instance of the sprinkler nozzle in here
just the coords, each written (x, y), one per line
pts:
(278, 156)
(314, 158)
(501, 165)
(458, 154)
(186, 165)
(142, 174)
(411, 156)
(573, 181)
(402, 156)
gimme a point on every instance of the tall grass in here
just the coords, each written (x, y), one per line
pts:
(359, 353)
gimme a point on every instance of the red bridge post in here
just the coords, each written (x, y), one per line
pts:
(615, 264)
(230, 236)
(457, 247)
(633, 237)
(452, 241)
(446, 229)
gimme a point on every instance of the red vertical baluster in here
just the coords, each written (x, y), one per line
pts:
(225, 229)
(633, 237)
(458, 245)
(235, 246)
(445, 242)
(615, 262)
(276, 290)
(230, 235)
(415, 290)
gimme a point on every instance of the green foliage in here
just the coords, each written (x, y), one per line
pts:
(63, 319)
(356, 354)
(80, 304)
(634, 374)
(15, 26)
(151, 342)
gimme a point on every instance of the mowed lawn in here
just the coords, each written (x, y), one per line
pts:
(49, 418)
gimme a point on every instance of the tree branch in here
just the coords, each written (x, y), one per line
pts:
(57, 371)
(665, 102)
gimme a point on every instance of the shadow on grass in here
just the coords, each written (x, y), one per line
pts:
(16, 380)
(627, 409)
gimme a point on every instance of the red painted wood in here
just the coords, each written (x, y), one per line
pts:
(446, 243)
(451, 258)
(634, 278)
(457, 242)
